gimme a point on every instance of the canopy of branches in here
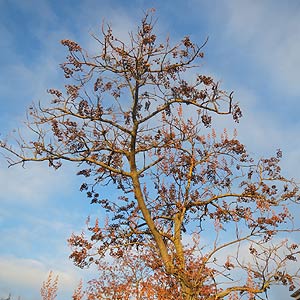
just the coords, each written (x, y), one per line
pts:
(196, 216)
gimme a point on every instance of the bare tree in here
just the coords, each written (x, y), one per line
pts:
(136, 117)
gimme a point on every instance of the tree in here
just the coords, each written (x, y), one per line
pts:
(137, 118)
(135, 274)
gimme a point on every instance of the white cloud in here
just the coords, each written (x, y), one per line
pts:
(34, 184)
(268, 32)
(21, 275)
(263, 132)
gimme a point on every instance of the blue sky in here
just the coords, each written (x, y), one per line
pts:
(253, 49)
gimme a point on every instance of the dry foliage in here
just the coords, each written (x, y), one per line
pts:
(196, 216)
(49, 287)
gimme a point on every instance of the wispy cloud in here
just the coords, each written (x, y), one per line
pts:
(32, 185)
(269, 32)
(24, 276)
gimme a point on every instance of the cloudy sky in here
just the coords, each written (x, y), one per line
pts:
(253, 49)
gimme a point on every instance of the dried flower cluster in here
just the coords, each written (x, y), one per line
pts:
(49, 287)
